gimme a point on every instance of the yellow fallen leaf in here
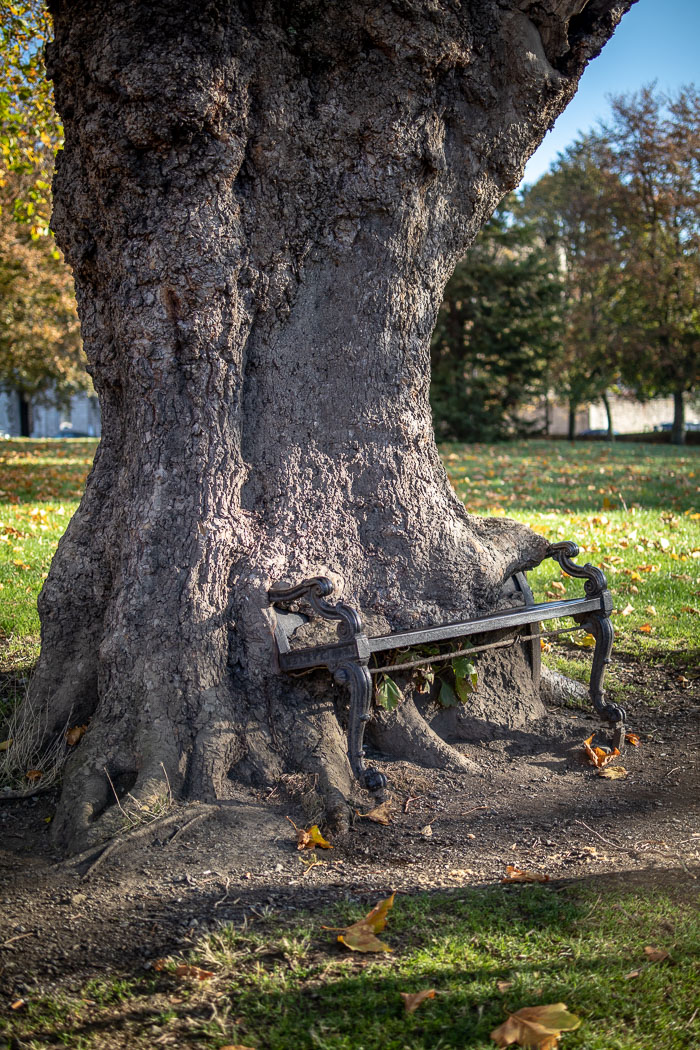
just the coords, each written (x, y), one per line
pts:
(412, 1000)
(360, 936)
(629, 608)
(613, 772)
(361, 939)
(536, 1026)
(588, 641)
(514, 874)
(632, 738)
(185, 970)
(656, 954)
(33, 775)
(558, 586)
(309, 839)
(646, 628)
(73, 735)
(5, 744)
(650, 610)
(380, 814)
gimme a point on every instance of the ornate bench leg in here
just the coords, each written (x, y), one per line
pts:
(359, 682)
(599, 625)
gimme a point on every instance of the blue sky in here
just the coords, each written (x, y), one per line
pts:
(656, 40)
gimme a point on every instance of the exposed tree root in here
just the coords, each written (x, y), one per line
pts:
(404, 734)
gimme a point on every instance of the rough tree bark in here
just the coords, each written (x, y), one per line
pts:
(262, 203)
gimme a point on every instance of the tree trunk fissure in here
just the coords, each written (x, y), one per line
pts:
(262, 206)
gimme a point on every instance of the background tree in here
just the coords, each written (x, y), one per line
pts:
(262, 205)
(653, 142)
(41, 353)
(497, 334)
(40, 347)
(572, 207)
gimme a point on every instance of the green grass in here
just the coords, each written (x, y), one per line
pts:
(633, 509)
(288, 985)
(41, 483)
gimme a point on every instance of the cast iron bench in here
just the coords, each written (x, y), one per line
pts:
(348, 658)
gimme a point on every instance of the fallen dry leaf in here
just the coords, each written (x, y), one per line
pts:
(627, 610)
(309, 839)
(412, 1000)
(646, 628)
(5, 744)
(650, 610)
(633, 739)
(504, 986)
(514, 874)
(631, 974)
(597, 756)
(427, 831)
(656, 954)
(588, 641)
(18, 1004)
(536, 1026)
(185, 970)
(236, 1046)
(73, 735)
(380, 814)
(361, 935)
(613, 772)
(33, 775)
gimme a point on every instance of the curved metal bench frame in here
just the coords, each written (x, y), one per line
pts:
(348, 658)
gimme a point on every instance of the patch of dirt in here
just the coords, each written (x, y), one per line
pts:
(534, 804)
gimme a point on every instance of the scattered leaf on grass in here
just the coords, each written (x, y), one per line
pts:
(597, 756)
(633, 739)
(646, 628)
(380, 814)
(650, 610)
(309, 839)
(361, 936)
(656, 954)
(514, 874)
(5, 744)
(627, 610)
(236, 1046)
(412, 1000)
(536, 1026)
(33, 775)
(18, 1004)
(613, 773)
(504, 986)
(631, 974)
(73, 735)
(588, 641)
(185, 970)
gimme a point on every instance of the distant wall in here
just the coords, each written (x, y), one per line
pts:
(81, 415)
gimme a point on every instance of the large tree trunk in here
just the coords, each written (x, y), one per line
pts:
(262, 204)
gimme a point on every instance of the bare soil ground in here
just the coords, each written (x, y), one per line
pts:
(535, 804)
